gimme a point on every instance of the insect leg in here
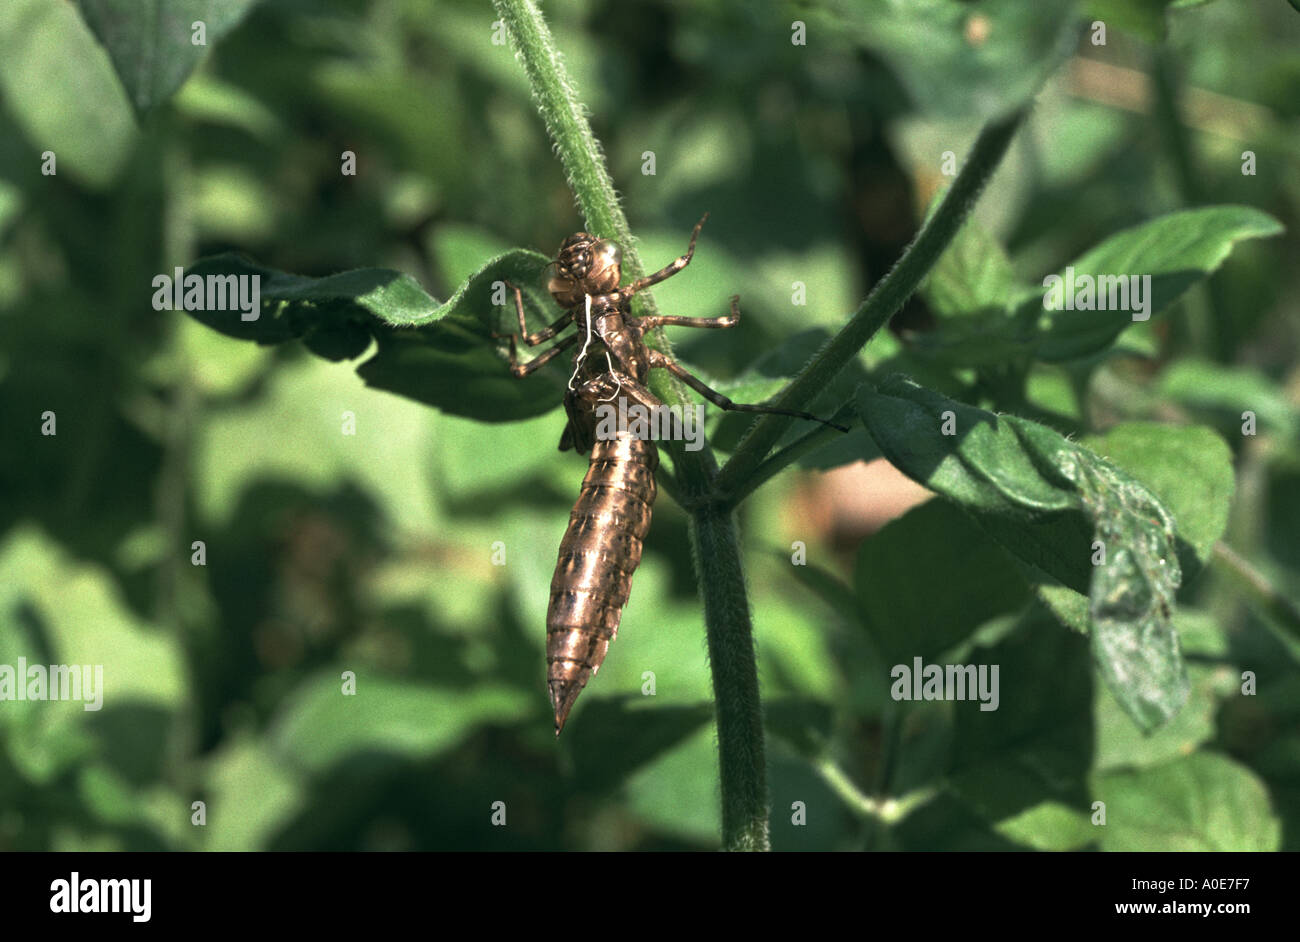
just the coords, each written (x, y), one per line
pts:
(660, 361)
(623, 385)
(665, 273)
(542, 335)
(672, 320)
(523, 369)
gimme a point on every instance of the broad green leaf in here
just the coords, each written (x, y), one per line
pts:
(254, 794)
(154, 44)
(616, 738)
(1225, 393)
(671, 794)
(984, 338)
(973, 291)
(1036, 491)
(322, 726)
(443, 355)
(927, 580)
(1037, 745)
(85, 620)
(1131, 597)
(1120, 744)
(1173, 251)
(56, 610)
(794, 651)
(972, 275)
(1049, 825)
(1204, 802)
(60, 90)
(1189, 469)
(350, 304)
(1049, 389)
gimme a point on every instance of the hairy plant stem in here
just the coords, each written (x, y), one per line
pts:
(1279, 612)
(778, 462)
(715, 547)
(707, 494)
(884, 301)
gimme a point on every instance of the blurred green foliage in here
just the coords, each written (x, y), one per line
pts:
(372, 552)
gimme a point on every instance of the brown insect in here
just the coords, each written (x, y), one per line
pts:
(602, 545)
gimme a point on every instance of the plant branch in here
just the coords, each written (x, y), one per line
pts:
(882, 810)
(741, 750)
(881, 304)
(1276, 607)
(821, 435)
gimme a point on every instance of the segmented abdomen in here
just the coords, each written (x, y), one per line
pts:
(593, 577)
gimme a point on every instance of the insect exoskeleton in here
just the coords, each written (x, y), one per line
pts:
(602, 544)
(584, 265)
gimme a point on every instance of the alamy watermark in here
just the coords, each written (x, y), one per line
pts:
(1100, 293)
(946, 682)
(661, 422)
(83, 682)
(77, 895)
(182, 292)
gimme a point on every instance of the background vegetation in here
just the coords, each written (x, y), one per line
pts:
(372, 552)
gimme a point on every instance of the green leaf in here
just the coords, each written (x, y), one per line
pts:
(1120, 744)
(614, 741)
(443, 355)
(56, 609)
(1189, 469)
(971, 276)
(152, 42)
(59, 88)
(296, 306)
(1175, 251)
(671, 794)
(254, 794)
(927, 580)
(322, 726)
(1050, 826)
(1036, 491)
(1204, 802)
(1036, 746)
(1223, 393)
(973, 291)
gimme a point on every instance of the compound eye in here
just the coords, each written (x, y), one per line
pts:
(606, 267)
(608, 253)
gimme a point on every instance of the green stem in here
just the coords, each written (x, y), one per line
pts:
(741, 751)
(821, 435)
(881, 304)
(1277, 609)
(579, 151)
(882, 810)
(742, 762)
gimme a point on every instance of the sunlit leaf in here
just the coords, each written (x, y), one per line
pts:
(1029, 485)
(154, 44)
